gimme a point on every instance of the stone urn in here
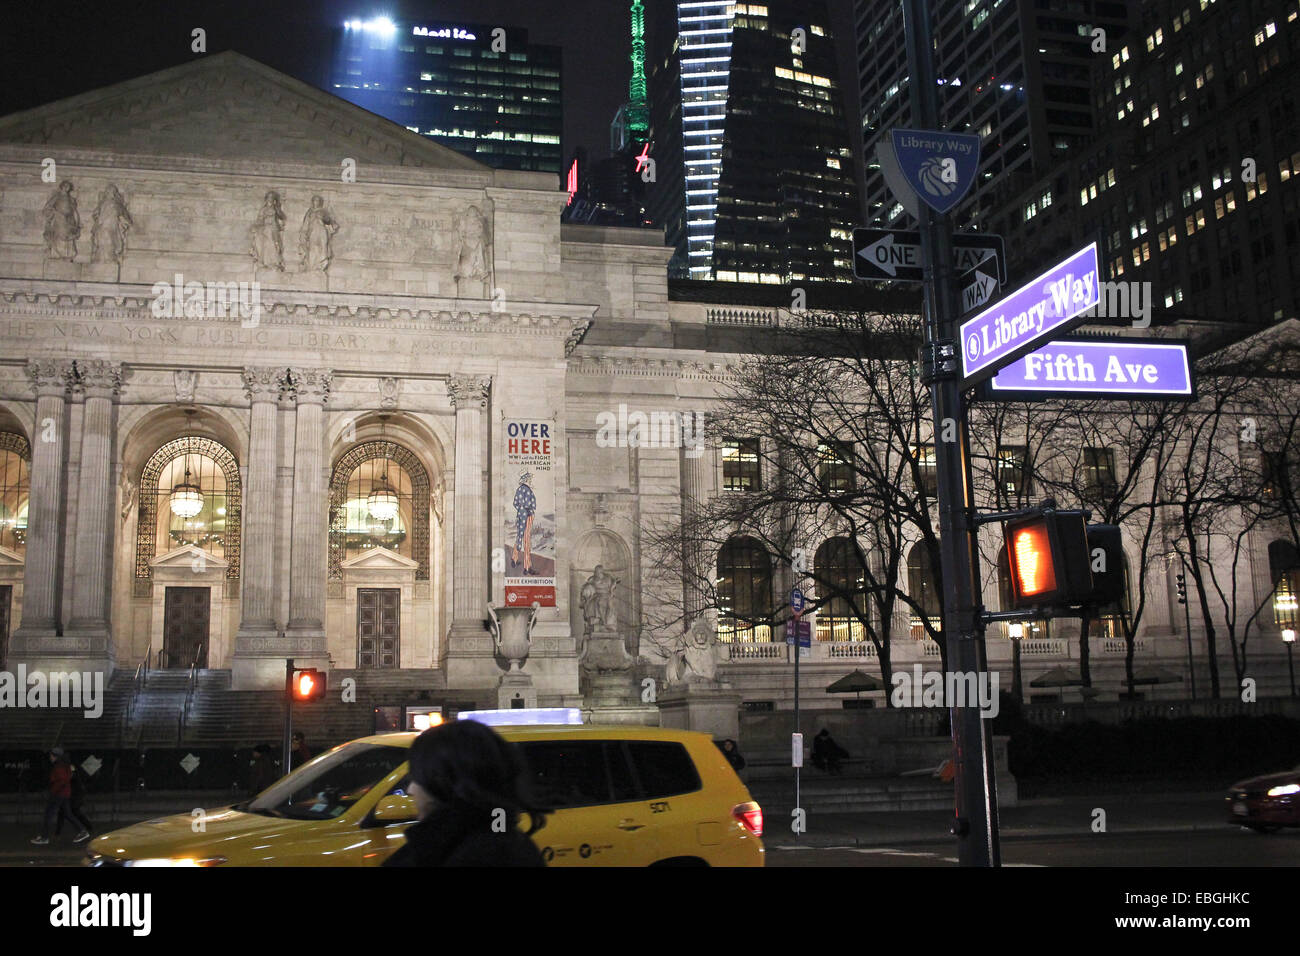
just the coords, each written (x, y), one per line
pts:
(512, 630)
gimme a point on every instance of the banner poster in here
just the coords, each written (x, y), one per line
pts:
(529, 531)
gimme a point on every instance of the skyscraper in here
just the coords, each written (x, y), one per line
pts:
(1016, 72)
(754, 158)
(484, 91)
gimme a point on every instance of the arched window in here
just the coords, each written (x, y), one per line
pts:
(923, 586)
(1284, 573)
(189, 494)
(15, 490)
(842, 579)
(744, 591)
(1030, 630)
(379, 498)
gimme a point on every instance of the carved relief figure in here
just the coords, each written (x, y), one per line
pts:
(318, 225)
(266, 246)
(108, 231)
(62, 224)
(474, 261)
(185, 380)
(389, 389)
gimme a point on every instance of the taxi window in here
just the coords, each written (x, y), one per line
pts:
(578, 773)
(328, 786)
(664, 768)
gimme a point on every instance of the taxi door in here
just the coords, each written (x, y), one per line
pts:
(597, 818)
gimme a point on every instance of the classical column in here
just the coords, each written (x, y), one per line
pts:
(310, 539)
(100, 381)
(50, 380)
(469, 396)
(262, 385)
(695, 488)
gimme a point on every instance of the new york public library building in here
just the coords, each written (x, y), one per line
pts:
(279, 378)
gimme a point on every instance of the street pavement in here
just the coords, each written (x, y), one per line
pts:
(1176, 829)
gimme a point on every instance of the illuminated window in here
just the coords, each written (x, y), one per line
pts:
(927, 469)
(841, 581)
(740, 465)
(834, 468)
(923, 588)
(744, 591)
(15, 490)
(1013, 469)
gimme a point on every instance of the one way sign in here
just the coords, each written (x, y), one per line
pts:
(977, 287)
(896, 254)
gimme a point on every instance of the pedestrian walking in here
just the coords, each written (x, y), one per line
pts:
(470, 790)
(59, 799)
(77, 801)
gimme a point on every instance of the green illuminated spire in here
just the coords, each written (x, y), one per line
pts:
(638, 112)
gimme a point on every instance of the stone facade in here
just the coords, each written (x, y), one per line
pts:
(412, 311)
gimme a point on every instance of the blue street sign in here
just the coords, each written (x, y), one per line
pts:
(939, 166)
(800, 628)
(1041, 309)
(1098, 368)
(796, 601)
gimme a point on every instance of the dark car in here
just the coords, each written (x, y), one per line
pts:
(1266, 803)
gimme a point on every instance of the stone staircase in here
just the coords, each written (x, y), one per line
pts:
(850, 793)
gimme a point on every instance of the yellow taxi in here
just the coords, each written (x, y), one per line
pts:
(622, 796)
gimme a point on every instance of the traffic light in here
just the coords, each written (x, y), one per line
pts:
(1048, 556)
(1106, 562)
(308, 684)
(1182, 588)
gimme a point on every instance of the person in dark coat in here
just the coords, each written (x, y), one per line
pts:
(262, 770)
(732, 753)
(299, 752)
(77, 802)
(826, 753)
(60, 799)
(470, 790)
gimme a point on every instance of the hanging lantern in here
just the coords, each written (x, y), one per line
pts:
(382, 502)
(186, 498)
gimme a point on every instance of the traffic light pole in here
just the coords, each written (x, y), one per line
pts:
(288, 712)
(975, 824)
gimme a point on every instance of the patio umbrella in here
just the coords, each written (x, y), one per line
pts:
(1058, 677)
(854, 682)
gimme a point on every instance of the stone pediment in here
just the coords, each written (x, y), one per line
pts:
(227, 106)
(379, 559)
(10, 559)
(185, 557)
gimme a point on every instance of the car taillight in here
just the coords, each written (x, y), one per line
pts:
(751, 815)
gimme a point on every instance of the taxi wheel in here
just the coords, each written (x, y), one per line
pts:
(681, 861)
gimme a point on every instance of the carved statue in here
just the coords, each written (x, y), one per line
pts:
(318, 225)
(474, 260)
(265, 245)
(597, 600)
(62, 224)
(109, 228)
(693, 657)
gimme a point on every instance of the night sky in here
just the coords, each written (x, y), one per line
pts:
(60, 48)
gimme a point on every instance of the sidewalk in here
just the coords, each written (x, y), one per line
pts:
(1047, 817)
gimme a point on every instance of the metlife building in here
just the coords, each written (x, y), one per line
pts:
(484, 91)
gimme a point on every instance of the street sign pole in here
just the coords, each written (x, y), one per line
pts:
(288, 712)
(796, 607)
(975, 824)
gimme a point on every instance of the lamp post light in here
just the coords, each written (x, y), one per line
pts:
(1016, 631)
(1288, 638)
